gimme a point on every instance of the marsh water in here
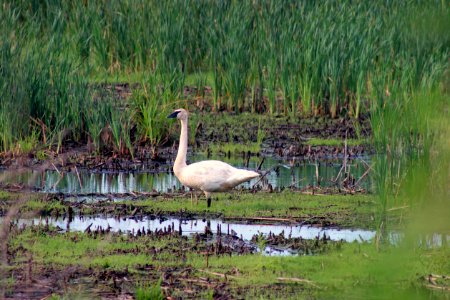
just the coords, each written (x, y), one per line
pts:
(242, 230)
(278, 174)
(245, 232)
(191, 226)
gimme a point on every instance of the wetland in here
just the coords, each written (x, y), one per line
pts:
(344, 115)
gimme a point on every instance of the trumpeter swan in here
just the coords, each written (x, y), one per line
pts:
(209, 175)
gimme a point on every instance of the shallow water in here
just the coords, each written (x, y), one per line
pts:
(241, 230)
(189, 227)
(281, 174)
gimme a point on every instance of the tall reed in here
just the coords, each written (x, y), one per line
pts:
(267, 56)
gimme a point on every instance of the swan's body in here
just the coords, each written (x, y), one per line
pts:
(209, 175)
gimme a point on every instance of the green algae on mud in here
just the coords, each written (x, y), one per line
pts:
(351, 269)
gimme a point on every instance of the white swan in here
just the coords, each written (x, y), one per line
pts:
(209, 175)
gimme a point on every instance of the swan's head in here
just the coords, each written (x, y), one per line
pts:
(180, 114)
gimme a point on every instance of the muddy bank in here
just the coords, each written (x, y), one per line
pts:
(38, 281)
(292, 207)
(145, 161)
(180, 267)
(282, 137)
(35, 280)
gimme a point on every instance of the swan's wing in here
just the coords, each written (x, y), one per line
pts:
(214, 175)
(207, 175)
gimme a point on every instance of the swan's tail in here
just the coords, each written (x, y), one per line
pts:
(242, 176)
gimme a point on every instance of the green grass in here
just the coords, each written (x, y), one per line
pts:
(43, 207)
(336, 142)
(33, 202)
(235, 148)
(150, 292)
(316, 66)
(352, 270)
(355, 271)
(80, 249)
(200, 79)
(119, 77)
(346, 211)
(295, 59)
(357, 211)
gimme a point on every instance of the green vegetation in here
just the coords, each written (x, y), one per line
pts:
(235, 148)
(150, 293)
(238, 148)
(354, 211)
(350, 269)
(346, 211)
(387, 61)
(335, 142)
(411, 136)
(35, 203)
(43, 207)
(354, 271)
(301, 58)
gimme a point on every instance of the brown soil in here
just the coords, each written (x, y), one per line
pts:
(40, 282)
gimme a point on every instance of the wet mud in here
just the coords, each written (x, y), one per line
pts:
(32, 280)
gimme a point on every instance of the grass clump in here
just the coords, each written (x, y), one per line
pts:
(152, 292)
(235, 148)
(335, 142)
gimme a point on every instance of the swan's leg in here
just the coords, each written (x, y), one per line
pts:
(196, 198)
(236, 194)
(192, 197)
(208, 199)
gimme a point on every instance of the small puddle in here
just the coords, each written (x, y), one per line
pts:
(283, 174)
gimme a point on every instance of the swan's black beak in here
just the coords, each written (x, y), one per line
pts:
(174, 114)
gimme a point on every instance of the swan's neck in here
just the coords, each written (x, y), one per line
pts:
(180, 161)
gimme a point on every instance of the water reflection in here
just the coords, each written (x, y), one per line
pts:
(242, 230)
(293, 173)
(189, 227)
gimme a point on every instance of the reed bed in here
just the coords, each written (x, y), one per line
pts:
(297, 58)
